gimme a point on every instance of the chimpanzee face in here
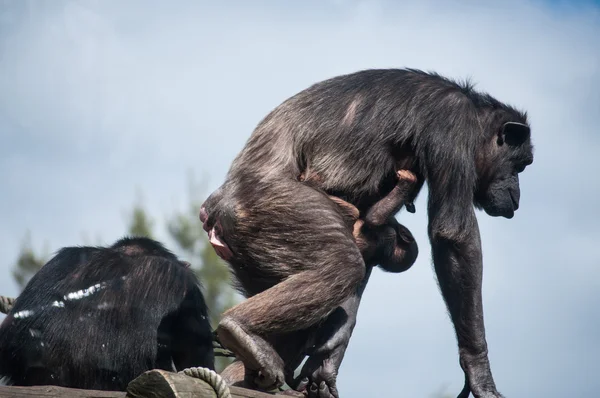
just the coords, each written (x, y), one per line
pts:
(498, 191)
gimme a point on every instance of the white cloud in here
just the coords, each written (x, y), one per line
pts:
(100, 98)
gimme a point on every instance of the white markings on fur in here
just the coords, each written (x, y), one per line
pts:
(104, 306)
(23, 314)
(35, 333)
(79, 294)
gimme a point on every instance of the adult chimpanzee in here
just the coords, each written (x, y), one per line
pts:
(97, 317)
(381, 240)
(287, 242)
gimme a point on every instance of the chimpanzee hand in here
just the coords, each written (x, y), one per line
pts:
(478, 378)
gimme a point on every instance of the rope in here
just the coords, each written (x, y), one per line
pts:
(212, 378)
(6, 304)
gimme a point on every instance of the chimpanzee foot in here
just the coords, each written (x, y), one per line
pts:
(318, 377)
(265, 366)
(406, 175)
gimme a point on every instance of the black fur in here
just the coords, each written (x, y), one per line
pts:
(96, 317)
(288, 243)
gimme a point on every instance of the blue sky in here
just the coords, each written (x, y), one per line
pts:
(102, 99)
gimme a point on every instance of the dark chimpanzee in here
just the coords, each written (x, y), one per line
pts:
(381, 240)
(288, 243)
(97, 317)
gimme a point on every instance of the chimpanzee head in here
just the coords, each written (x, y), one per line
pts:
(503, 156)
(142, 246)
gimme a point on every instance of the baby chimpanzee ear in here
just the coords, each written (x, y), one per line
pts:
(514, 134)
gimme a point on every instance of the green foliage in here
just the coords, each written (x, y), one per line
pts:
(140, 224)
(187, 232)
(28, 263)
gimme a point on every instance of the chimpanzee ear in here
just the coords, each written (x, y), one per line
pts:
(514, 134)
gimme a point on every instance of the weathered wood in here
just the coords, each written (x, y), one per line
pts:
(151, 384)
(238, 392)
(163, 384)
(53, 391)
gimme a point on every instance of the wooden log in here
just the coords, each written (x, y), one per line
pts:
(162, 384)
(151, 384)
(53, 391)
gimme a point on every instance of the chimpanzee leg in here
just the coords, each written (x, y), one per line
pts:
(305, 242)
(392, 246)
(347, 209)
(241, 327)
(291, 347)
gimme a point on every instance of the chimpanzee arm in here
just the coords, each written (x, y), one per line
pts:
(379, 213)
(456, 249)
(409, 202)
(192, 337)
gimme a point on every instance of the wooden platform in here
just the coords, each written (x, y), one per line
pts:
(152, 384)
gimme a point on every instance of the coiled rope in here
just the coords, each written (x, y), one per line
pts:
(212, 378)
(6, 304)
